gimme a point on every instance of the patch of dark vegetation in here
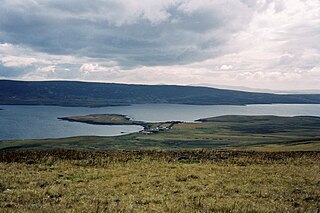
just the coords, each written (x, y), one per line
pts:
(259, 129)
(183, 156)
(4, 188)
(259, 118)
(192, 144)
(24, 146)
(265, 124)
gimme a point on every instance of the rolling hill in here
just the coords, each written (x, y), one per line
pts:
(73, 93)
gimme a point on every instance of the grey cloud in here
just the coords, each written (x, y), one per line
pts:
(162, 41)
(110, 30)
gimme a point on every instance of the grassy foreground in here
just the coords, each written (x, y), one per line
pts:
(166, 181)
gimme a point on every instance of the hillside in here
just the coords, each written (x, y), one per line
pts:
(153, 181)
(71, 93)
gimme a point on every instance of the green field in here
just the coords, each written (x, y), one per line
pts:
(227, 132)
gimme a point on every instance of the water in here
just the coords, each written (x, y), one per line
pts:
(38, 122)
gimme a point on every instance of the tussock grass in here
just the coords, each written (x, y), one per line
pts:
(167, 181)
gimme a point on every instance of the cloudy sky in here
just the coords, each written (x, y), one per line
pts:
(253, 43)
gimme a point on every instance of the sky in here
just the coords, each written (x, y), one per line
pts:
(266, 44)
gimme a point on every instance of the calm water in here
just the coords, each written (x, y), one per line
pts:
(31, 122)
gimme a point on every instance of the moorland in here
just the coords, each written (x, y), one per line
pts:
(159, 181)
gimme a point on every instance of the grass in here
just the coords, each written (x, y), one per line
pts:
(166, 181)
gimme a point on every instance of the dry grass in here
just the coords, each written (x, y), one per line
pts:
(176, 181)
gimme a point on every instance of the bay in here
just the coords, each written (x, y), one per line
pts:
(38, 122)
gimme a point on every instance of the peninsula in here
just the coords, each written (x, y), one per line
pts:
(119, 119)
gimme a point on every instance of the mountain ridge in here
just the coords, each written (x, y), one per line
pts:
(97, 94)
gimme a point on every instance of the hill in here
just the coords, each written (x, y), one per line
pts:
(72, 93)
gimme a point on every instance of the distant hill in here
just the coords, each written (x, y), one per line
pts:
(72, 93)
